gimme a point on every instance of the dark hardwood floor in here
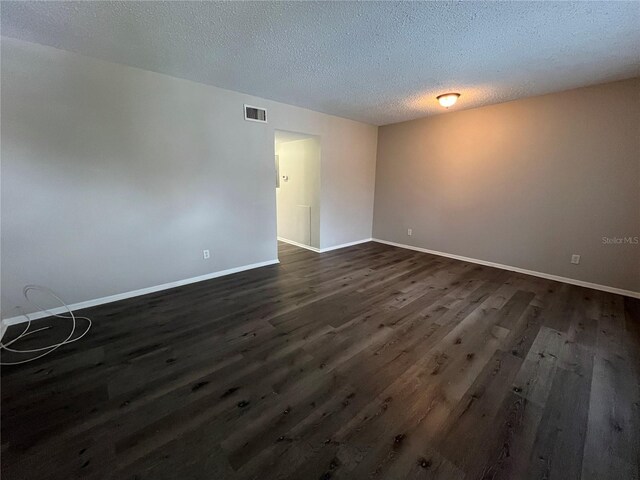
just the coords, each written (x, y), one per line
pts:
(369, 362)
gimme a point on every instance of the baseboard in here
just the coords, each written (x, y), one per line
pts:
(344, 245)
(548, 276)
(301, 245)
(136, 293)
(326, 249)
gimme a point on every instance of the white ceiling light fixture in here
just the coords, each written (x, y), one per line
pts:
(448, 99)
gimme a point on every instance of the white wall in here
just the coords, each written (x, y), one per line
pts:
(115, 178)
(347, 171)
(526, 183)
(298, 198)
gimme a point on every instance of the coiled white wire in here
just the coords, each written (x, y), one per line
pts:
(26, 332)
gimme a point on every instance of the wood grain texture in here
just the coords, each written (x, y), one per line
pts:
(369, 362)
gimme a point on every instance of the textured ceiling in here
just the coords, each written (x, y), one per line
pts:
(378, 62)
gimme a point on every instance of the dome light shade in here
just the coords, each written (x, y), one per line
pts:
(448, 99)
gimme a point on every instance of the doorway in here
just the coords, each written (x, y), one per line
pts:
(297, 157)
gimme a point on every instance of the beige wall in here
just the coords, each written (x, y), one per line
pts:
(525, 183)
(115, 178)
(298, 198)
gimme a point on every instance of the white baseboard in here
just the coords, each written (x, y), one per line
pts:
(297, 244)
(548, 276)
(326, 249)
(135, 293)
(344, 245)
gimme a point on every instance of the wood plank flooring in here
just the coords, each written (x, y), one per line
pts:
(369, 362)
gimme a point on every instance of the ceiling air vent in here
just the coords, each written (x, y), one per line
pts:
(255, 114)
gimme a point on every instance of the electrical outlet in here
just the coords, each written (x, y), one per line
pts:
(409, 231)
(205, 254)
(575, 259)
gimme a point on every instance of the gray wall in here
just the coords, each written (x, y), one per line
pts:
(525, 183)
(116, 178)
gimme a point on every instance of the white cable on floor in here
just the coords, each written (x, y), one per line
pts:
(50, 348)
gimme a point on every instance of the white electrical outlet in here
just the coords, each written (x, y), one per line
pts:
(575, 259)
(409, 231)
(205, 254)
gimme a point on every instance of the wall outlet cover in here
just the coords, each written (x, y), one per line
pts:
(575, 259)
(205, 254)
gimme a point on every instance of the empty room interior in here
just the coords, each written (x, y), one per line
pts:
(320, 240)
